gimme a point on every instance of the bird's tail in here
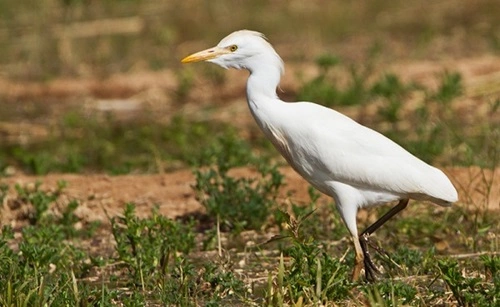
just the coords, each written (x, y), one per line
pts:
(440, 190)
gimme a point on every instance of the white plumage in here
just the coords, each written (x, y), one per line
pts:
(355, 165)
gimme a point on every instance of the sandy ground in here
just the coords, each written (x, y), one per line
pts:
(102, 196)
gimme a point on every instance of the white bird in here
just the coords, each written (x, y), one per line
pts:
(355, 165)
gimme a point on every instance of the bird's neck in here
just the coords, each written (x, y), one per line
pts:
(262, 84)
(262, 98)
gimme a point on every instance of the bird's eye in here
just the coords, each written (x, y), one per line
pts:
(233, 48)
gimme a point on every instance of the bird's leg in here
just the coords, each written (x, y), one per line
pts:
(358, 265)
(370, 268)
(381, 221)
(363, 260)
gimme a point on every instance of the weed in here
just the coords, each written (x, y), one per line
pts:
(391, 293)
(468, 291)
(212, 285)
(323, 88)
(327, 61)
(154, 252)
(394, 91)
(320, 91)
(313, 277)
(450, 88)
(239, 203)
(410, 260)
(226, 151)
(149, 247)
(491, 265)
(222, 282)
(44, 271)
(321, 224)
(40, 200)
(389, 86)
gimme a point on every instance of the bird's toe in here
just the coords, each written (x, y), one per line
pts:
(371, 269)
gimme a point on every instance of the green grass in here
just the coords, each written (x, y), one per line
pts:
(156, 260)
(238, 203)
(50, 263)
(472, 290)
(81, 144)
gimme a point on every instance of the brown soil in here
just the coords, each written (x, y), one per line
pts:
(102, 196)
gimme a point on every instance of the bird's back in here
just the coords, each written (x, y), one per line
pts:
(324, 145)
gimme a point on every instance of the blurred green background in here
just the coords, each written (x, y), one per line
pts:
(98, 86)
(52, 38)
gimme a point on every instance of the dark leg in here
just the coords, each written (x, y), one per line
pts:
(370, 268)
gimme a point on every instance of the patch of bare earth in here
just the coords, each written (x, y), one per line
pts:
(102, 196)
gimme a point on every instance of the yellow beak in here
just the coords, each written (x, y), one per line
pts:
(205, 55)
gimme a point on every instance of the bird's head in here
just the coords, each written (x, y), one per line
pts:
(242, 49)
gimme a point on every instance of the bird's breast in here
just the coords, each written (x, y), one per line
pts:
(296, 156)
(279, 141)
(294, 145)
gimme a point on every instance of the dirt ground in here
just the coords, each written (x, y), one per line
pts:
(103, 196)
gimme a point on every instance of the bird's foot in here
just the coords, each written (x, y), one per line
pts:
(370, 267)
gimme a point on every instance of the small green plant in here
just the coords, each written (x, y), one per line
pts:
(322, 225)
(391, 293)
(313, 276)
(154, 251)
(450, 87)
(324, 89)
(223, 284)
(44, 269)
(468, 291)
(238, 203)
(39, 199)
(326, 62)
(492, 266)
(39, 202)
(409, 260)
(149, 247)
(69, 219)
(389, 86)
(394, 91)
(312, 226)
(226, 151)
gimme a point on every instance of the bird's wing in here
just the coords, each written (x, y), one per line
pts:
(343, 150)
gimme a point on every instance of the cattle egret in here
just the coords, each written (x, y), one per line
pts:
(355, 165)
